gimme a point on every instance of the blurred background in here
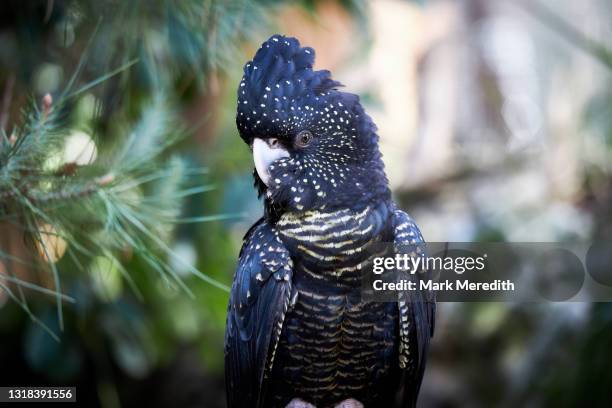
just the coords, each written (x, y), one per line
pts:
(495, 120)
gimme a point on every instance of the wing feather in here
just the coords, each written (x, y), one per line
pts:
(259, 299)
(416, 314)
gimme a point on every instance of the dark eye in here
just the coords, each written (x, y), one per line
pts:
(303, 138)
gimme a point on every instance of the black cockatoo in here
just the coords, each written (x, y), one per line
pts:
(298, 332)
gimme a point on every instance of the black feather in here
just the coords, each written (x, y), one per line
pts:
(258, 302)
(419, 310)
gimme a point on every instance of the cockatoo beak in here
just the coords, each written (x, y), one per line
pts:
(264, 153)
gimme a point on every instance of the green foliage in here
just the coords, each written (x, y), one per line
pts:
(176, 41)
(96, 211)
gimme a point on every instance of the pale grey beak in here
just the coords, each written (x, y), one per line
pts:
(264, 153)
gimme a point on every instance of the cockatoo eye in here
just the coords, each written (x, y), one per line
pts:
(303, 138)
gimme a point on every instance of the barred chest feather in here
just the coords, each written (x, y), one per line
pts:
(334, 346)
(334, 246)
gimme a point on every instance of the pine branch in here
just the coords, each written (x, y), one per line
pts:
(135, 199)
